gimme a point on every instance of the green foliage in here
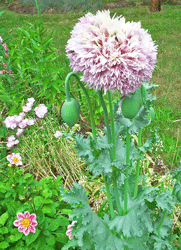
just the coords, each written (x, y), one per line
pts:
(19, 192)
(34, 67)
(146, 221)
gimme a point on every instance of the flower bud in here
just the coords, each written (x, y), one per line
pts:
(70, 111)
(131, 105)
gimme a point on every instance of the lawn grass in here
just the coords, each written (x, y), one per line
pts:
(165, 28)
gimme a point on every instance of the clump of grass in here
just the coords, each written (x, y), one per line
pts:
(44, 155)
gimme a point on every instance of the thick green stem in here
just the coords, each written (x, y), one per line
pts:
(87, 97)
(109, 141)
(105, 116)
(128, 145)
(113, 154)
(137, 166)
(109, 198)
(161, 222)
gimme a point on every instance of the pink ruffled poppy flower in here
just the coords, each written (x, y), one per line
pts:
(26, 222)
(69, 230)
(111, 53)
(15, 159)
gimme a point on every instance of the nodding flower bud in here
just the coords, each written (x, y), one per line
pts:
(130, 105)
(70, 111)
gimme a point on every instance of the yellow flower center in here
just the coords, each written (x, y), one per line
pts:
(25, 222)
(15, 159)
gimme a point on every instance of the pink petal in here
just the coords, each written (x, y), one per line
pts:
(32, 217)
(26, 230)
(32, 229)
(20, 216)
(27, 214)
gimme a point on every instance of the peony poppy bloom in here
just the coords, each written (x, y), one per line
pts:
(111, 53)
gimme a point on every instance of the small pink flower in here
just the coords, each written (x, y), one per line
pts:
(26, 108)
(42, 127)
(30, 122)
(15, 159)
(23, 123)
(58, 134)
(4, 65)
(26, 222)
(7, 54)
(2, 72)
(69, 230)
(31, 100)
(5, 47)
(19, 131)
(11, 122)
(41, 110)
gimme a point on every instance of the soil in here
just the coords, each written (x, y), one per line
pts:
(17, 7)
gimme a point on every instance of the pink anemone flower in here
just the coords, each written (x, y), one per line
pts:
(26, 222)
(15, 159)
(111, 53)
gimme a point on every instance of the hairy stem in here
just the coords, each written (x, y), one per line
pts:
(137, 166)
(128, 145)
(109, 141)
(113, 154)
(161, 222)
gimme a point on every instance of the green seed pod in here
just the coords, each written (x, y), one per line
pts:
(70, 111)
(143, 91)
(151, 115)
(131, 105)
(178, 195)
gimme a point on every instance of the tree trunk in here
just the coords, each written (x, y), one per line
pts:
(155, 5)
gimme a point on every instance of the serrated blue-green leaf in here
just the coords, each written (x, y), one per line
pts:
(102, 142)
(83, 147)
(94, 227)
(128, 224)
(165, 200)
(161, 244)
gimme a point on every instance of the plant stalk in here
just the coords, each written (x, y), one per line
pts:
(128, 145)
(137, 166)
(161, 222)
(113, 153)
(109, 141)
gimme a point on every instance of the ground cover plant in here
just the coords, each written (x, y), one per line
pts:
(45, 148)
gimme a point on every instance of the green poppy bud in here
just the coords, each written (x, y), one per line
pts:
(131, 105)
(70, 111)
